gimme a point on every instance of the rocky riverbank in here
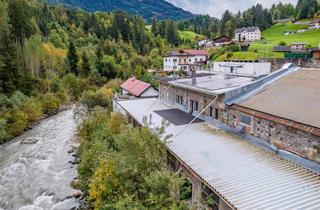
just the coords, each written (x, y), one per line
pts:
(37, 174)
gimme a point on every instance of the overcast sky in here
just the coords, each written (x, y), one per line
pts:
(215, 8)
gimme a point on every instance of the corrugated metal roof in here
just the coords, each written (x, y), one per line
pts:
(296, 97)
(282, 49)
(246, 176)
(135, 86)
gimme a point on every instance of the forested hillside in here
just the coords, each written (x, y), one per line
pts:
(49, 55)
(146, 9)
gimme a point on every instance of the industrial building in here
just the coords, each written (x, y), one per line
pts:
(245, 142)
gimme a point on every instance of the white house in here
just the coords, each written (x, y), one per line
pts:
(256, 69)
(314, 24)
(184, 59)
(247, 34)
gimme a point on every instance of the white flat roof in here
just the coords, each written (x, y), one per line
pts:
(243, 174)
(214, 84)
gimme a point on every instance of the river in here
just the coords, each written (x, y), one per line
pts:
(37, 176)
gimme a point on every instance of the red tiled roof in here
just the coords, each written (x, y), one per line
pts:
(196, 52)
(135, 86)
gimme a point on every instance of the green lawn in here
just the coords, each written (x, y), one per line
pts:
(239, 56)
(190, 35)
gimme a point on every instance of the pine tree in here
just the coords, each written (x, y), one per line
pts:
(73, 58)
(171, 33)
(86, 68)
(11, 77)
(10, 71)
(154, 27)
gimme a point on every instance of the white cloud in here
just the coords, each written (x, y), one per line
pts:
(216, 8)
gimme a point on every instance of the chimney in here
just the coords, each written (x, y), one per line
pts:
(193, 75)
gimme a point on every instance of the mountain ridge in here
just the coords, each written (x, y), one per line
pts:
(144, 8)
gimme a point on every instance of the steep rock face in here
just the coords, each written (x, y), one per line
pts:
(144, 8)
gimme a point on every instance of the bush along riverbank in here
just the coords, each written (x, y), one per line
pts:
(19, 112)
(121, 166)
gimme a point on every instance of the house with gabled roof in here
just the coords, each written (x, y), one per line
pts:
(248, 34)
(184, 59)
(139, 89)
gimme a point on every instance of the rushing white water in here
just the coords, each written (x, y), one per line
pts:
(37, 176)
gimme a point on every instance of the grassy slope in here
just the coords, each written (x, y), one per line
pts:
(190, 35)
(239, 56)
(275, 34)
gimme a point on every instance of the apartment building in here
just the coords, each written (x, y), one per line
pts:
(184, 59)
(248, 34)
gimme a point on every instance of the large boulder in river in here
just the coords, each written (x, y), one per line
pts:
(30, 140)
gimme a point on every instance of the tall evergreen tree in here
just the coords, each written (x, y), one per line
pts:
(154, 27)
(171, 33)
(73, 58)
(11, 77)
(20, 16)
(86, 68)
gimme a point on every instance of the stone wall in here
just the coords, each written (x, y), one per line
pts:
(286, 138)
(283, 137)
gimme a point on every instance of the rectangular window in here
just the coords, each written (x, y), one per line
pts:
(189, 60)
(245, 119)
(214, 113)
(174, 60)
(177, 99)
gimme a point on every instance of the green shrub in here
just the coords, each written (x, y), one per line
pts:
(4, 102)
(73, 85)
(3, 130)
(102, 97)
(18, 98)
(32, 108)
(17, 121)
(282, 43)
(49, 103)
(58, 89)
